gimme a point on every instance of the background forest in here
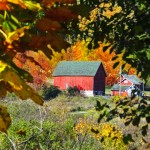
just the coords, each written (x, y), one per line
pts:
(36, 35)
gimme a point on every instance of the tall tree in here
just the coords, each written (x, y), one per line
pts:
(126, 24)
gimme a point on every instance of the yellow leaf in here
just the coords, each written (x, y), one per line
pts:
(18, 2)
(10, 77)
(15, 35)
(27, 92)
(33, 5)
(5, 120)
(2, 66)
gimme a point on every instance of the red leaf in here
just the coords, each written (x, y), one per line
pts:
(41, 42)
(4, 5)
(61, 14)
(46, 24)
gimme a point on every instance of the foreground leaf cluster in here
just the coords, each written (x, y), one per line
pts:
(33, 28)
(133, 111)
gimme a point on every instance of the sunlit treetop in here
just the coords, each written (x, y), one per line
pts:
(126, 24)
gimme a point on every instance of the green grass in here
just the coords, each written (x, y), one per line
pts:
(51, 125)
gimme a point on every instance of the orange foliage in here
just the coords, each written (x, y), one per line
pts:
(41, 67)
(36, 63)
(80, 52)
(6, 4)
(106, 58)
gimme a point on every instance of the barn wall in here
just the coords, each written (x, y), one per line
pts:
(82, 82)
(113, 93)
(99, 80)
(116, 93)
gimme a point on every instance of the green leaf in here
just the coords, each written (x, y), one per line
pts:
(125, 102)
(14, 19)
(144, 101)
(102, 139)
(125, 109)
(101, 116)
(111, 114)
(33, 5)
(95, 131)
(6, 26)
(148, 119)
(144, 130)
(82, 9)
(12, 26)
(98, 105)
(128, 120)
(1, 18)
(127, 138)
(136, 121)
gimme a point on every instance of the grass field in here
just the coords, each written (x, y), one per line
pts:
(52, 125)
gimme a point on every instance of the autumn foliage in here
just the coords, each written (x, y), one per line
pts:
(38, 32)
(26, 28)
(80, 52)
(36, 63)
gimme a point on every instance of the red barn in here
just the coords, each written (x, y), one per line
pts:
(128, 83)
(88, 76)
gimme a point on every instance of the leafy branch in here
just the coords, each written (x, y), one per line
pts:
(133, 111)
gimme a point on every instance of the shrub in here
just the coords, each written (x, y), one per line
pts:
(72, 91)
(50, 92)
(109, 136)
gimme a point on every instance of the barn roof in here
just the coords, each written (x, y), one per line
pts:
(77, 68)
(133, 78)
(116, 87)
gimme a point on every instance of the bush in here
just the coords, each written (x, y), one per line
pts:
(72, 91)
(50, 92)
